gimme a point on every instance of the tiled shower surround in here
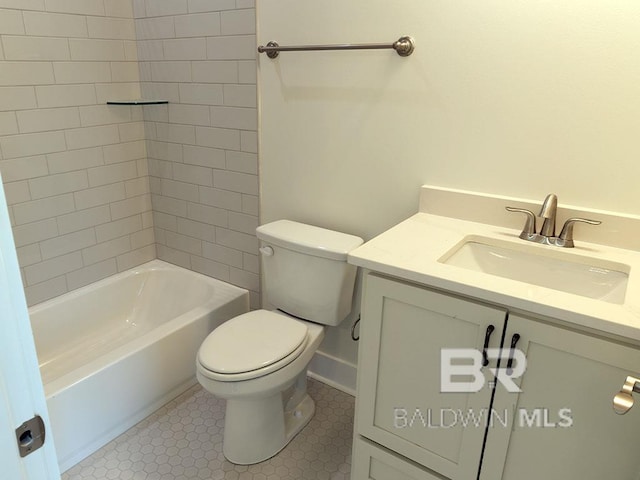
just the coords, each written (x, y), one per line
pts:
(74, 169)
(202, 146)
(86, 183)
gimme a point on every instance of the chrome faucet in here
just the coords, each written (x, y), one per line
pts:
(547, 234)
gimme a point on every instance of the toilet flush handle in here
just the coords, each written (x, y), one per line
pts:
(266, 251)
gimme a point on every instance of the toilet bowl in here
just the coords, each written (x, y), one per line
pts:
(258, 361)
(265, 390)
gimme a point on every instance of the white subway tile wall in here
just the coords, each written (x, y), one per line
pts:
(74, 169)
(202, 147)
(96, 189)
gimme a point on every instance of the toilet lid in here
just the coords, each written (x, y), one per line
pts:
(251, 341)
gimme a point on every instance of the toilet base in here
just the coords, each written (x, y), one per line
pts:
(295, 421)
(257, 429)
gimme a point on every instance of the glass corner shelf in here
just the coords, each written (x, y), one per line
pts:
(137, 102)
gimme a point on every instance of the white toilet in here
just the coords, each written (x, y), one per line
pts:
(258, 361)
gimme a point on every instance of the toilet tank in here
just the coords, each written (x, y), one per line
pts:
(305, 269)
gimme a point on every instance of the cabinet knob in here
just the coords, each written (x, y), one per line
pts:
(623, 401)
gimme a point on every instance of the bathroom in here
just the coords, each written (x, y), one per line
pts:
(510, 98)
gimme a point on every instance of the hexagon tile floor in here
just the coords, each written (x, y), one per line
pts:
(183, 441)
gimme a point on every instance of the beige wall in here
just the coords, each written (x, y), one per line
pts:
(508, 97)
(74, 169)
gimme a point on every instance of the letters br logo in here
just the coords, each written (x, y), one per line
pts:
(451, 367)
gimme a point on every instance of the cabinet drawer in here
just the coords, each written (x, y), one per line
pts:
(372, 462)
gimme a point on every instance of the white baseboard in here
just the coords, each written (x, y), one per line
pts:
(333, 371)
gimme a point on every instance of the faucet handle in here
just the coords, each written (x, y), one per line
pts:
(529, 230)
(565, 239)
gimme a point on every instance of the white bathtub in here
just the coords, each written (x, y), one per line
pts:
(114, 351)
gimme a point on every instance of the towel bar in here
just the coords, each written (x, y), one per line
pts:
(404, 47)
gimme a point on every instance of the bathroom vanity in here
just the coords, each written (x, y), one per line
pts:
(474, 364)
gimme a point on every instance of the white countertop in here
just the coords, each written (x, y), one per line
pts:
(411, 251)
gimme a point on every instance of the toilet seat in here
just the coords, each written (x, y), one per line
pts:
(252, 345)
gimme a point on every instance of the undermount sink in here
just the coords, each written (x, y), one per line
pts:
(541, 266)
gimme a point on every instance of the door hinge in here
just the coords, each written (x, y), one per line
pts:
(30, 435)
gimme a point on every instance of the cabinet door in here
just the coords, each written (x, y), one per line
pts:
(400, 403)
(562, 424)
